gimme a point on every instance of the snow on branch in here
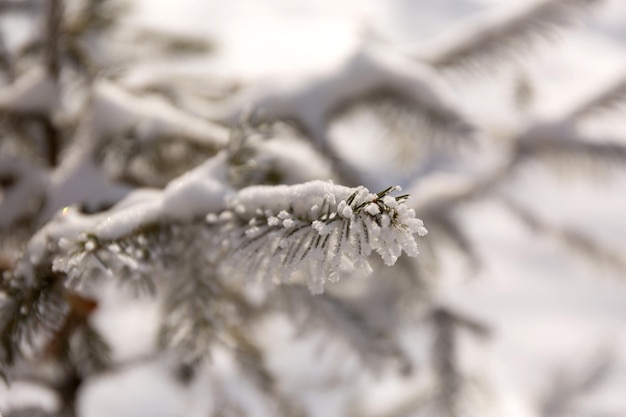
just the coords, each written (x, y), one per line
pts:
(314, 231)
(319, 228)
(117, 110)
(500, 33)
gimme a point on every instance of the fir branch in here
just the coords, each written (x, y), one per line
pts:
(576, 154)
(330, 313)
(569, 386)
(27, 312)
(413, 130)
(195, 313)
(272, 232)
(128, 260)
(76, 344)
(312, 228)
(450, 380)
(573, 240)
(501, 34)
(251, 361)
(199, 307)
(90, 353)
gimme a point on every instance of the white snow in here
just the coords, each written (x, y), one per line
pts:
(198, 191)
(117, 111)
(155, 392)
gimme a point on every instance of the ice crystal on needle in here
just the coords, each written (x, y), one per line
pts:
(318, 229)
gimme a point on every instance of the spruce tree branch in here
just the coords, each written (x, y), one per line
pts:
(571, 239)
(569, 386)
(251, 361)
(199, 308)
(445, 356)
(28, 312)
(502, 33)
(318, 227)
(330, 313)
(575, 151)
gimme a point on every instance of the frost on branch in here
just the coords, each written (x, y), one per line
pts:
(314, 231)
(317, 229)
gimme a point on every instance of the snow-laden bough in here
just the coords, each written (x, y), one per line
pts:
(315, 231)
(318, 230)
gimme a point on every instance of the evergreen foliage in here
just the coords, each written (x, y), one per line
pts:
(230, 219)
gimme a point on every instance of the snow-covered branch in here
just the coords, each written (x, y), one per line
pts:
(318, 228)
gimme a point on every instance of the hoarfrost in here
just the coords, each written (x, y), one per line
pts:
(314, 233)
